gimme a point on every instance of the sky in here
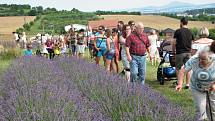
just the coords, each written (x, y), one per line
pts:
(93, 5)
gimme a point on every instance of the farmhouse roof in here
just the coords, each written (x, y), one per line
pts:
(168, 30)
(148, 29)
(106, 23)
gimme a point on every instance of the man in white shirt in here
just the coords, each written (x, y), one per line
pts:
(17, 38)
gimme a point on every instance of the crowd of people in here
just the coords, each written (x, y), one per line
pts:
(130, 45)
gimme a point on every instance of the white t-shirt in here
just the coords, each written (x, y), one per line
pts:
(16, 36)
(24, 38)
(201, 44)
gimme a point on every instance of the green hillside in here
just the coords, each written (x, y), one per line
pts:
(48, 20)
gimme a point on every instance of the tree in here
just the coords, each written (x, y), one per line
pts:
(31, 23)
(21, 12)
(39, 8)
(212, 34)
(26, 27)
(32, 13)
(20, 30)
(75, 10)
(194, 32)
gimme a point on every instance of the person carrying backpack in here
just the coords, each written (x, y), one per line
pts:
(17, 37)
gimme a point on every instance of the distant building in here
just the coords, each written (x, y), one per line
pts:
(184, 15)
(147, 30)
(106, 23)
(210, 14)
(168, 32)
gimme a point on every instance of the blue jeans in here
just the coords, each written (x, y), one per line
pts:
(138, 66)
(73, 48)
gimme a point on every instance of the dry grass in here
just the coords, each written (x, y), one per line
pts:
(10, 24)
(158, 22)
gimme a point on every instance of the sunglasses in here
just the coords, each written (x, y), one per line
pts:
(100, 29)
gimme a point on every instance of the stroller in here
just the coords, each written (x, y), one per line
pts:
(166, 69)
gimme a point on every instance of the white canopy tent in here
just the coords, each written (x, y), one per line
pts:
(76, 27)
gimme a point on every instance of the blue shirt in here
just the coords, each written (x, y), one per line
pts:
(28, 52)
(101, 41)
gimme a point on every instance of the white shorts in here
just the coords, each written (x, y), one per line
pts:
(44, 51)
(81, 49)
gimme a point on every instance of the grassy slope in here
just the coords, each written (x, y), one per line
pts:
(35, 28)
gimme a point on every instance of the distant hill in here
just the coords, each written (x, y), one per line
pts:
(201, 11)
(172, 7)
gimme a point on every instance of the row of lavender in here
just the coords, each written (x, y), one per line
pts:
(117, 98)
(34, 88)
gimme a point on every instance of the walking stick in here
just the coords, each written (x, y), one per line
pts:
(209, 103)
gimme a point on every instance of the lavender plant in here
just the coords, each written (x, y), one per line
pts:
(117, 98)
(35, 88)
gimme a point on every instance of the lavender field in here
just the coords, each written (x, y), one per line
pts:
(70, 89)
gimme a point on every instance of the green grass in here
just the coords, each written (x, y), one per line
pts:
(35, 28)
(182, 98)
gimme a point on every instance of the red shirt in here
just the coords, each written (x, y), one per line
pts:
(49, 44)
(136, 45)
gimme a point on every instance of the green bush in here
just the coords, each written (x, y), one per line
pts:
(31, 23)
(212, 34)
(20, 30)
(26, 27)
(195, 32)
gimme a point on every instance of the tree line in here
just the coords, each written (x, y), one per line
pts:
(201, 17)
(27, 10)
(24, 10)
(201, 11)
(99, 12)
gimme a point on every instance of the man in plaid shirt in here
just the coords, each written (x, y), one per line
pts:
(136, 46)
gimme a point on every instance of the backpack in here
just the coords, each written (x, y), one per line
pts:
(19, 36)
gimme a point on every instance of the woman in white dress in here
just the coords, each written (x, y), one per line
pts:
(24, 40)
(153, 48)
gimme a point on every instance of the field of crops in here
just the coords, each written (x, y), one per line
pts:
(158, 22)
(10, 24)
